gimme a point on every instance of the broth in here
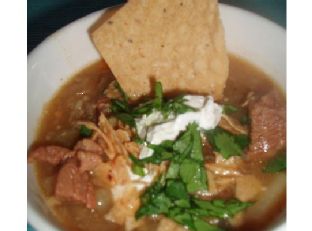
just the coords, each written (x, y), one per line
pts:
(76, 100)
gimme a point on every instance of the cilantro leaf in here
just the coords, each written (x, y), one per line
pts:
(220, 208)
(119, 106)
(176, 106)
(84, 131)
(126, 118)
(193, 175)
(227, 146)
(201, 225)
(229, 109)
(138, 170)
(173, 170)
(143, 109)
(277, 164)
(121, 91)
(157, 103)
(137, 167)
(183, 218)
(184, 143)
(176, 189)
(242, 140)
(226, 143)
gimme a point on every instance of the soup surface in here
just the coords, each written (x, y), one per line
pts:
(77, 101)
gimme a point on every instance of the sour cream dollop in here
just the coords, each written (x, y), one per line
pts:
(156, 129)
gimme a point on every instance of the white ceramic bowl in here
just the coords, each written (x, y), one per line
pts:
(70, 49)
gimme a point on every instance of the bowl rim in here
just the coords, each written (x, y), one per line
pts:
(43, 224)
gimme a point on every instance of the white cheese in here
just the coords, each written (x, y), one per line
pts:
(145, 152)
(156, 129)
(207, 117)
(147, 120)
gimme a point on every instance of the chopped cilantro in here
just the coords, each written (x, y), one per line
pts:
(201, 225)
(229, 109)
(227, 144)
(277, 164)
(220, 208)
(121, 91)
(126, 118)
(138, 170)
(171, 199)
(137, 167)
(157, 103)
(84, 131)
(193, 175)
(119, 106)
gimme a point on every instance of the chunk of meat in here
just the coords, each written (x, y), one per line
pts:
(74, 186)
(50, 154)
(248, 188)
(88, 145)
(268, 126)
(88, 160)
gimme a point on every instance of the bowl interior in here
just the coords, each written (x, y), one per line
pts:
(70, 49)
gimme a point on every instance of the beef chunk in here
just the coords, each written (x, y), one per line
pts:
(88, 160)
(75, 186)
(268, 126)
(50, 154)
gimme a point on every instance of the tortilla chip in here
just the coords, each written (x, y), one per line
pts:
(178, 42)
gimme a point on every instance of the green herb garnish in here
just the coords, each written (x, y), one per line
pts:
(227, 144)
(277, 164)
(126, 118)
(229, 109)
(127, 113)
(170, 198)
(84, 131)
(157, 103)
(137, 167)
(121, 91)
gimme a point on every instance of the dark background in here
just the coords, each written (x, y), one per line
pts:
(46, 16)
